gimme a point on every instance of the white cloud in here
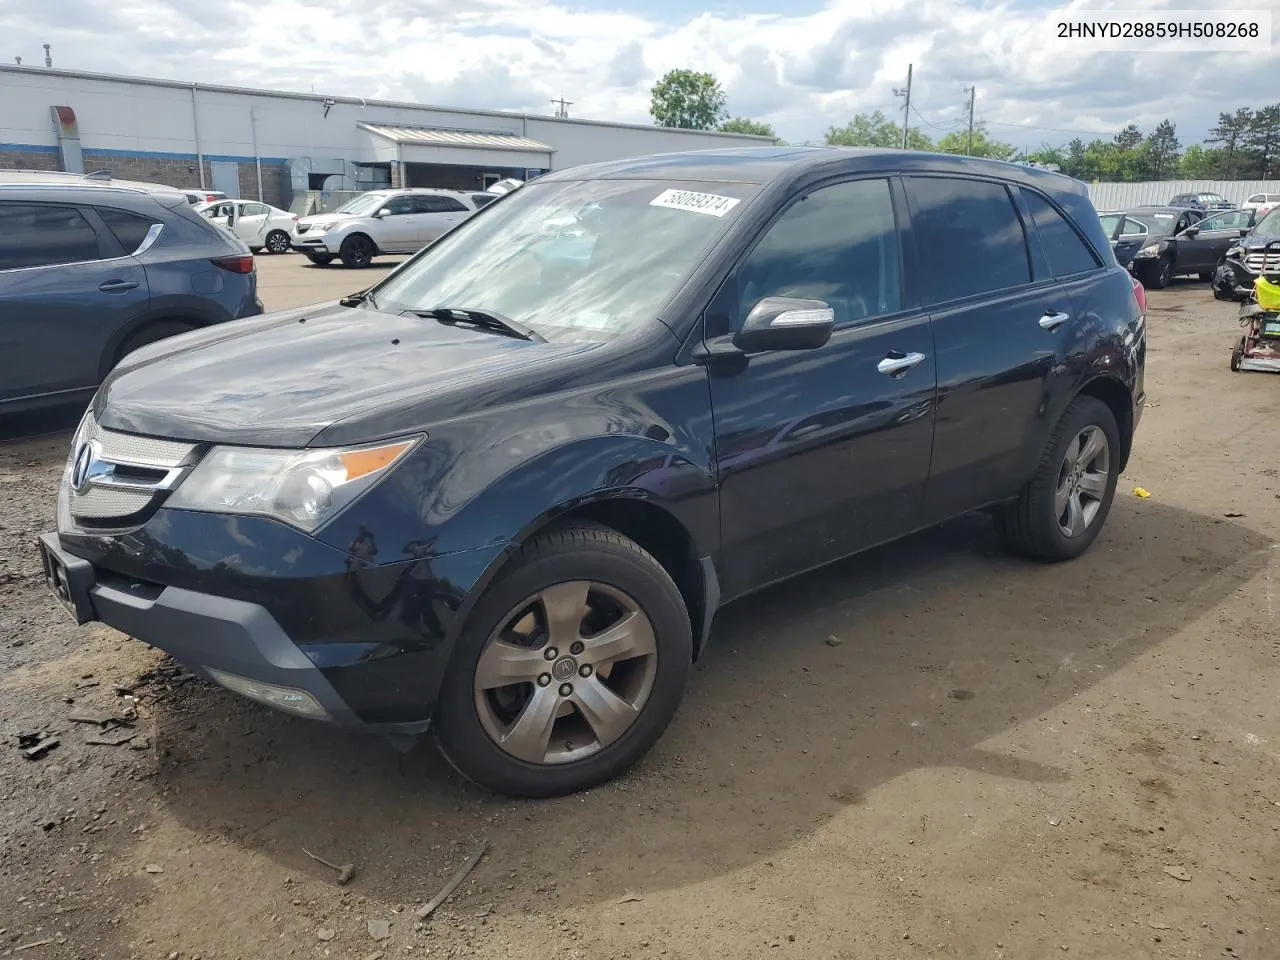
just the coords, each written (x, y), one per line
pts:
(802, 73)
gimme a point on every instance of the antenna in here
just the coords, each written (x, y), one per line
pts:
(48, 57)
(562, 108)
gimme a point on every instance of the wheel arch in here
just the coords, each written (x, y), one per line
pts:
(112, 355)
(1110, 391)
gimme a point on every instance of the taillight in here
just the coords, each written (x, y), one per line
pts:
(210, 197)
(239, 264)
(1140, 294)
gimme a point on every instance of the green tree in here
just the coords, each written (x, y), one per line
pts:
(751, 127)
(1047, 154)
(687, 99)
(1162, 151)
(1200, 163)
(983, 146)
(1129, 138)
(1262, 140)
(875, 130)
(1231, 133)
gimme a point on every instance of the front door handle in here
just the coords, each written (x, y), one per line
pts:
(118, 286)
(1052, 321)
(895, 366)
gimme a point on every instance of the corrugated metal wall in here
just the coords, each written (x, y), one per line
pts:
(1121, 196)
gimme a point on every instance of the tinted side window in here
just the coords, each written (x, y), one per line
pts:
(480, 199)
(838, 244)
(1067, 253)
(38, 234)
(399, 205)
(129, 228)
(968, 235)
(437, 204)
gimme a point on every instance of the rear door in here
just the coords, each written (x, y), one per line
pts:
(1000, 335)
(67, 284)
(251, 223)
(440, 214)
(822, 452)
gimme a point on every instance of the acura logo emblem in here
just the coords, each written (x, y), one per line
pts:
(82, 469)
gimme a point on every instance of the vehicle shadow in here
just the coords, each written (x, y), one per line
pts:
(811, 695)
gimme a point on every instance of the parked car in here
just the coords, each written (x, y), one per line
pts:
(503, 507)
(92, 270)
(1262, 202)
(1244, 261)
(483, 199)
(1200, 247)
(260, 225)
(1153, 254)
(380, 222)
(195, 196)
(1202, 201)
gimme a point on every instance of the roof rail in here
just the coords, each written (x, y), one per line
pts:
(98, 175)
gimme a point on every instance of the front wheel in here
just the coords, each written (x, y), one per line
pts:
(1237, 354)
(320, 259)
(1161, 274)
(1060, 512)
(569, 668)
(1205, 276)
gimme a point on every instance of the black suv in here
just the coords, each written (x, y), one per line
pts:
(92, 269)
(502, 492)
(1244, 260)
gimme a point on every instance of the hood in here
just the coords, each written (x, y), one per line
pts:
(324, 218)
(1256, 241)
(282, 378)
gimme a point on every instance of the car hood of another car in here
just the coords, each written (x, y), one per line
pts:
(280, 379)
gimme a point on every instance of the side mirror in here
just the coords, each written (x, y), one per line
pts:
(785, 323)
(384, 212)
(1192, 231)
(1244, 231)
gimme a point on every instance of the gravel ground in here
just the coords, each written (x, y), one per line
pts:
(933, 750)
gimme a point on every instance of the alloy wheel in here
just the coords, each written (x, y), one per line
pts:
(566, 673)
(1082, 481)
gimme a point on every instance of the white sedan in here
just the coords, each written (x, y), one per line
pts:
(260, 225)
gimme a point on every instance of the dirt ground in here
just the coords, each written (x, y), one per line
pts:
(933, 750)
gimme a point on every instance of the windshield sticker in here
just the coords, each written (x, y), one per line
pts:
(592, 320)
(1164, 216)
(709, 203)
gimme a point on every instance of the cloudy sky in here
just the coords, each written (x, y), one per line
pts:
(801, 65)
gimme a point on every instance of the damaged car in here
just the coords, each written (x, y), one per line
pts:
(1245, 260)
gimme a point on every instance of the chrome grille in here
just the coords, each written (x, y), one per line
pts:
(1253, 263)
(112, 475)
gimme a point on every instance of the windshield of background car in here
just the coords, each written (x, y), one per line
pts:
(364, 204)
(1270, 224)
(1157, 224)
(573, 260)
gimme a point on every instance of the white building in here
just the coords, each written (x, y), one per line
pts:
(273, 145)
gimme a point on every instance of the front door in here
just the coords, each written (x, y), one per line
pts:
(822, 452)
(65, 290)
(999, 337)
(1130, 237)
(1212, 236)
(398, 230)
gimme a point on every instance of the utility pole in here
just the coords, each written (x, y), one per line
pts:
(973, 92)
(906, 108)
(562, 108)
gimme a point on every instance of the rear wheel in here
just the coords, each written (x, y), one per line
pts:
(151, 333)
(1060, 512)
(357, 251)
(569, 669)
(277, 242)
(320, 259)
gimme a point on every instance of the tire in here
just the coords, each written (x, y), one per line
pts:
(149, 334)
(473, 717)
(277, 242)
(1237, 352)
(357, 251)
(1205, 276)
(1162, 274)
(1033, 525)
(320, 259)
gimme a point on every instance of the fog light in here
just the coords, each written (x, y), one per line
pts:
(288, 699)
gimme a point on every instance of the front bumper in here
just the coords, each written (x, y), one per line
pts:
(273, 614)
(1233, 280)
(313, 242)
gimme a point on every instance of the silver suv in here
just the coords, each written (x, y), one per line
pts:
(380, 222)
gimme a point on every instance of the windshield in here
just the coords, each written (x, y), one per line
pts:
(1270, 224)
(365, 203)
(575, 260)
(1159, 224)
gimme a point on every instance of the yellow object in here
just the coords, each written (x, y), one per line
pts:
(1139, 492)
(1268, 294)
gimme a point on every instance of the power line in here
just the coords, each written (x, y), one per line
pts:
(1033, 126)
(937, 126)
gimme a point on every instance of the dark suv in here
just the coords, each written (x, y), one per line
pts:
(502, 492)
(91, 270)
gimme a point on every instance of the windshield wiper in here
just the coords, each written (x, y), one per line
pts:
(485, 319)
(356, 299)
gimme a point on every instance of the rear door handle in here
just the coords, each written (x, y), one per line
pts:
(117, 286)
(1052, 321)
(895, 366)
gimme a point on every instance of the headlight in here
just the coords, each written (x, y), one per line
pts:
(303, 488)
(322, 227)
(1235, 252)
(1149, 251)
